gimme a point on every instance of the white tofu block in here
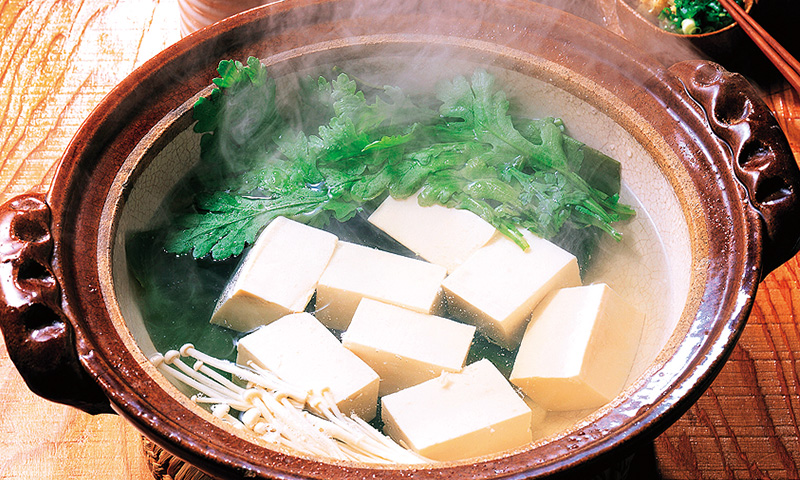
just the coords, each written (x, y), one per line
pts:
(499, 285)
(459, 415)
(578, 349)
(355, 272)
(301, 351)
(557, 422)
(441, 235)
(405, 347)
(538, 415)
(277, 277)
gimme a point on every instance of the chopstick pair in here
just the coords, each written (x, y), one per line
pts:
(779, 56)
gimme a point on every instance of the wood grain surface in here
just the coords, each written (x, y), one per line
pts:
(58, 58)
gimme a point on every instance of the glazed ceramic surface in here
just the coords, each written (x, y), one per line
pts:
(702, 158)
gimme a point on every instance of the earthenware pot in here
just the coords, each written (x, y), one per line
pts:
(702, 157)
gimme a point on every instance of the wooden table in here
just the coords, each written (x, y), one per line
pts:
(59, 58)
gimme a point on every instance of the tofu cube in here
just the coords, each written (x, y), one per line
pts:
(578, 348)
(441, 235)
(459, 415)
(301, 351)
(405, 347)
(357, 272)
(277, 277)
(499, 285)
(538, 415)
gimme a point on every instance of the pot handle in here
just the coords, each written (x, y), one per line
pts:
(38, 334)
(761, 157)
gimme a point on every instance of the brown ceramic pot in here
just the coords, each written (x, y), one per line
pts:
(710, 169)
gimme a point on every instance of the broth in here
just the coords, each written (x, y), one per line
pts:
(180, 293)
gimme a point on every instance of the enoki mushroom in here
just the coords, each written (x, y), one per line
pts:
(280, 413)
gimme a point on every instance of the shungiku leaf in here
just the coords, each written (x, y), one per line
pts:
(227, 222)
(515, 173)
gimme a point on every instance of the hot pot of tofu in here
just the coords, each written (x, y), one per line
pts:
(337, 239)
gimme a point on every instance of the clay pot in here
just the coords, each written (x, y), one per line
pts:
(702, 156)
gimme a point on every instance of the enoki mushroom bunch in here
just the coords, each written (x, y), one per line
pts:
(278, 412)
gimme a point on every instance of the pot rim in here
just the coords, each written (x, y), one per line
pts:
(77, 240)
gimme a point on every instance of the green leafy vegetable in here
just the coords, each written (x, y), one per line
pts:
(257, 164)
(228, 222)
(695, 16)
(239, 116)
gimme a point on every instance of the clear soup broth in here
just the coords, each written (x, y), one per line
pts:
(167, 300)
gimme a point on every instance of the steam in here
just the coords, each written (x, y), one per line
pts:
(179, 293)
(425, 64)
